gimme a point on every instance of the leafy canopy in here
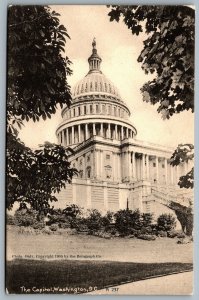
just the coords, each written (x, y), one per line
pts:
(37, 83)
(168, 53)
(36, 69)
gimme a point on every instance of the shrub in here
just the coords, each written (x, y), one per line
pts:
(108, 219)
(166, 222)
(147, 219)
(147, 237)
(72, 210)
(10, 220)
(162, 233)
(172, 234)
(126, 220)
(54, 227)
(94, 220)
(26, 217)
(39, 225)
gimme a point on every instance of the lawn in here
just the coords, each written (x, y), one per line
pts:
(74, 276)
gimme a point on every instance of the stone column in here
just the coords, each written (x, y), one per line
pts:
(102, 164)
(134, 166)
(171, 174)
(86, 131)
(109, 130)
(143, 167)
(116, 137)
(66, 136)
(73, 136)
(79, 133)
(94, 130)
(129, 165)
(165, 166)
(157, 169)
(147, 167)
(101, 129)
(122, 133)
(177, 174)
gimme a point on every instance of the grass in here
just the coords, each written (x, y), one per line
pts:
(72, 276)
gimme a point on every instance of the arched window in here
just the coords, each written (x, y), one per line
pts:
(88, 172)
(105, 87)
(86, 87)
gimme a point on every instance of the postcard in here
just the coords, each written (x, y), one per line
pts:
(100, 155)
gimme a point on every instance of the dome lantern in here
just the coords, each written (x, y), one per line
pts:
(94, 60)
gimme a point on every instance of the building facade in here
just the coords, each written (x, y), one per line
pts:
(114, 167)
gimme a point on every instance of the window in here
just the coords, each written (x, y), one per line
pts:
(88, 158)
(91, 109)
(105, 87)
(88, 171)
(97, 108)
(79, 112)
(109, 110)
(103, 109)
(85, 109)
(114, 111)
(154, 164)
(107, 156)
(163, 166)
(73, 112)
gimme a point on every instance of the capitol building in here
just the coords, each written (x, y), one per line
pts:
(115, 169)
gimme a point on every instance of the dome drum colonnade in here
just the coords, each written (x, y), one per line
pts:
(110, 160)
(96, 109)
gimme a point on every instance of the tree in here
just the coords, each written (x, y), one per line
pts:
(183, 154)
(168, 53)
(36, 84)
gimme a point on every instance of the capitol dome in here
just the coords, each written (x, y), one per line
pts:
(95, 82)
(96, 111)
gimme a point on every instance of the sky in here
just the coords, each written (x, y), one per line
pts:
(119, 51)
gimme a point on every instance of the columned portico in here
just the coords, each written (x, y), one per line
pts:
(113, 164)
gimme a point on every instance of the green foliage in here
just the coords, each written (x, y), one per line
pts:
(166, 222)
(26, 217)
(168, 53)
